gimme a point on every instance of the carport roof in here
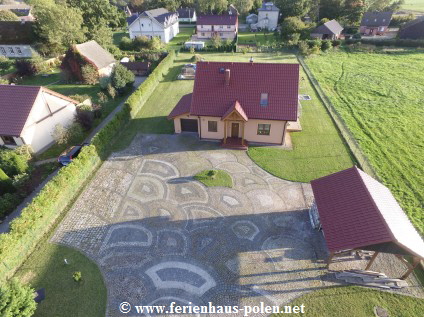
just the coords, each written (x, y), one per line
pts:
(356, 211)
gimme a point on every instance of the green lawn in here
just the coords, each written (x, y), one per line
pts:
(356, 301)
(117, 37)
(258, 38)
(380, 96)
(45, 268)
(220, 178)
(184, 35)
(414, 5)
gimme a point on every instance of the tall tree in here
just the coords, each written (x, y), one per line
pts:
(293, 8)
(243, 6)
(353, 11)
(331, 9)
(216, 6)
(55, 32)
(383, 5)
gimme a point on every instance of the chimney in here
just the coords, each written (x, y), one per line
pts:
(227, 77)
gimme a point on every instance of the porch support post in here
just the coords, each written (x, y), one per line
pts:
(330, 258)
(371, 261)
(225, 131)
(242, 132)
(415, 262)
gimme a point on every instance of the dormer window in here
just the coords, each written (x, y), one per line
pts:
(264, 99)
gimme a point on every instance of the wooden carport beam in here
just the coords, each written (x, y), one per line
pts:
(330, 258)
(371, 261)
(411, 267)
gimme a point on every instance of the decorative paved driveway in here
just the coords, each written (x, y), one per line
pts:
(159, 236)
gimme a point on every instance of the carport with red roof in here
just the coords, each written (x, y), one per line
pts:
(356, 212)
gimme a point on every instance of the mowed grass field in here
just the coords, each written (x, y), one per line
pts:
(318, 149)
(414, 5)
(381, 98)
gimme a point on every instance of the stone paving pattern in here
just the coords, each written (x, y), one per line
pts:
(159, 236)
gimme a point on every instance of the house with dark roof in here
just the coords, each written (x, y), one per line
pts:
(413, 30)
(356, 212)
(330, 30)
(154, 23)
(16, 39)
(28, 115)
(187, 15)
(224, 25)
(239, 103)
(375, 23)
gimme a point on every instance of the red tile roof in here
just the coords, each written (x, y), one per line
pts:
(357, 211)
(212, 19)
(16, 103)
(212, 97)
(182, 107)
(238, 108)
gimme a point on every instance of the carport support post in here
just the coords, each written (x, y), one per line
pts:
(330, 258)
(415, 262)
(225, 131)
(371, 260)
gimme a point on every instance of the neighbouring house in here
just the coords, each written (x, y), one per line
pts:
(16, 39)
(268, 16)
(225, 25)
(187, 15)
(88, 53)
(375, 23)
(138, 68)
(356, 212)
(240, 102)
(232, 10)
(413, 30)
(252, 19)
(28, 115)
(330, 30)
(22, 10)
(154, 23)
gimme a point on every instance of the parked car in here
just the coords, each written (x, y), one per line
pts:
(67, 156)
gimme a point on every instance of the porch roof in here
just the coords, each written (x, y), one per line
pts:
(237, 108)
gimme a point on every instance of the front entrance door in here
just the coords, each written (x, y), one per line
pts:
(235, 129)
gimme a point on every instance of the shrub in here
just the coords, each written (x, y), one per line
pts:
(25, 67)
(102, 97)
(25, 151)
(326, 45)
(192, 50)
(90, 75)
(103, 82)
(77, 276)
(216, 41)
(5, 63)
(85, 117)
(4, 81)
(140, 42)
(8, 203)
(197, 58)
(111, 91)
(155, 44)
(80, 98)
(12, 163)
(126, 44)
(6, 185)
(75, 132)
(303, 48)
(60, 134)
(17, 300)
(121, 77)
(357, 36)
(291, 25)
(336, 43)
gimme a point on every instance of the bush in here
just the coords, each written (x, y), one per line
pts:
(197, 58)
(12, 163)
(80, 98)
(90, 75)
(111, 91)
(291, 25)
(216, 41)
(357, 36)
(140, 42)
(326, 45)
(5, 63)
(77, 276)
(25, 67)
(121, 77)
(102, 97)
(60, 134)
(85, 117)
(6, 185)
(4, 81)
(17, 300)
(126, 44)
(336, 43)
(303, 48)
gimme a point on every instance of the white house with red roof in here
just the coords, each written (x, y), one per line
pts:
(28, 115)
(225, 25)
(240, 103)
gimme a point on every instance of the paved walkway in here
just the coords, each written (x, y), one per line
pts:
(160, 236)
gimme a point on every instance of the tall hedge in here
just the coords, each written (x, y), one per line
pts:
(52, 201)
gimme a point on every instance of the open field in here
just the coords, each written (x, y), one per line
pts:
(414, 5)
(380, 97)
(318, 149)
(356, 301)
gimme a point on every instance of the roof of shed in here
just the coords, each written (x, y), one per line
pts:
(95, 54)
(357, 211)
(330, 27)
